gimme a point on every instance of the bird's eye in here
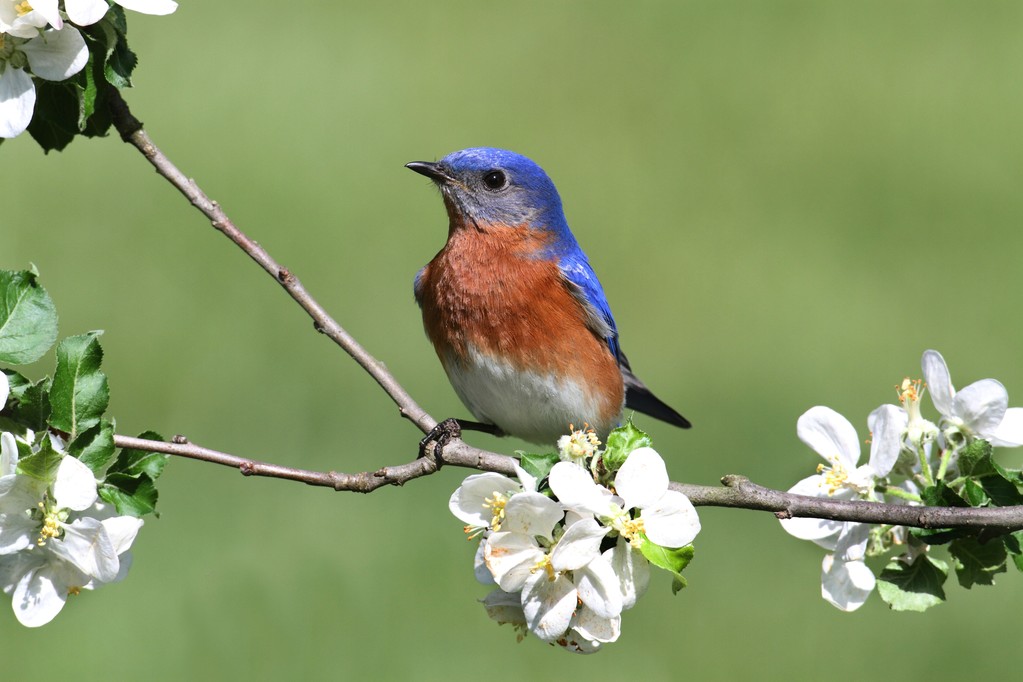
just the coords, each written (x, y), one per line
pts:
(495, 180)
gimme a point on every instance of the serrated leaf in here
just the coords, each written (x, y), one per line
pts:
(95, 447)
(975, 458)
(537, 466)
(32, 408)
(134, 463)
(55, 118)
(672, 560)
(87, 93)
(976, 563)
(621, 442)
(28, 318)
(41, 465)
(996, 482)
(79, 394)
(17, 384)
(975, 494)
(134, 496)
(913, 587)
(940, 495)
(1000, 486)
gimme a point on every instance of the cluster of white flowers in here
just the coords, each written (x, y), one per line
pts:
(56, 538)
(567, 564)
(36, 42)
(903, 443)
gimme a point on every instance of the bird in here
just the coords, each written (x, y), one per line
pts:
(514, 310)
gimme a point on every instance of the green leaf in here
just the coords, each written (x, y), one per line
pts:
(940, 495)
(537, 466)
(28, 318)
(672, 560)
(18, 384)
(621, 442)
(41, 465)
(976, 563)
(975, 458)
(134, 496)
(79, 394)
(913, 587)
(1014, 546)
(135, 463)
(55, 118)
(33, 407)
(95, 447)
(975, 494)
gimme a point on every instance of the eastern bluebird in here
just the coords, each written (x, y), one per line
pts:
(514, 310)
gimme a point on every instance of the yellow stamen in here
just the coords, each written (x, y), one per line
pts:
(835, 476)
(23, 8)
(496, 506)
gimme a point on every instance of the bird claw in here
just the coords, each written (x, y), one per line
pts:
(440, 435)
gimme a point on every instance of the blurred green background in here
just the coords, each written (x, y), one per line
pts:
(786, 202)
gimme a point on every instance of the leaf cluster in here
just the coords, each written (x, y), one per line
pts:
(917, 583)
(71, 404)
(79, 105)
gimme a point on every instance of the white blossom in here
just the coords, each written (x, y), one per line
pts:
(51, 55)
(981, 410)
(57, 539)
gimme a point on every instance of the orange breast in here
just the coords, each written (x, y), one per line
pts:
(488, 290)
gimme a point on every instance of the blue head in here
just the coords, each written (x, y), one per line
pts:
(483, 185)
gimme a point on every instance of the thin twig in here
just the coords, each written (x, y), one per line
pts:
(131, 131)
(738, 492)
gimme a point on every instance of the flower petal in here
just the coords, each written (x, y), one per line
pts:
(574, 488)
(846, 584)
(806, 528)
(37, 599)
(511, 558)
(468, 502)
(548, 605)
(122, 531)
(595, 628)
(8, 454)
(505, 607)
(75, 487)
(938, 380)
(85, 12)
(642, 479)
(830, 435)
(1009, 433)
(5, 389)
(86, 546)
(56, 55)
(671, 521)
(599, 588)
(18, 497)
(632, 569)
(17, 100)
(479, 566)
(578, 546)
(531, 514)
(981, 406)
(888, 424)
(158, 7)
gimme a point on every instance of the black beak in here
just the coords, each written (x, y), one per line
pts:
(434, 171)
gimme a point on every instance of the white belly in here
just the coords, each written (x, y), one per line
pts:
(533, 406)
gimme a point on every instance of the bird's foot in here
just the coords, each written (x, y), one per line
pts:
(440, 435)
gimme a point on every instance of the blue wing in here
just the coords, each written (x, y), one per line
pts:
(583, 284)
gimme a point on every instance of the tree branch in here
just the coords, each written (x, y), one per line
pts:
(739, 492)
(131, 131)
